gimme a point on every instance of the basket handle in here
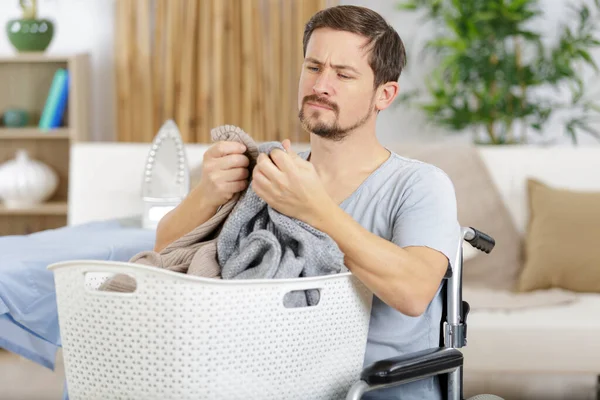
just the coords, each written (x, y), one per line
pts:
(84, 269)
(321, 284)
(121, 283)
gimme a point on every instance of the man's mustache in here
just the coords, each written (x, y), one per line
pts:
(313, 98)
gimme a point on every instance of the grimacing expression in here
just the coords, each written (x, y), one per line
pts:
(336, 93)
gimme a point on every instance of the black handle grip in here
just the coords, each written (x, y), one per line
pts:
(482, 241)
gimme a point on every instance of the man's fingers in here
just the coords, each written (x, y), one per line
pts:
(224, 148)
(287, 145)
(268, 168)
(259, 181)
(237, 186)
(234, 174)
(282, 160)
(233, 161)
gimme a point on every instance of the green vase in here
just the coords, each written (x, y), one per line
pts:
(30, 34)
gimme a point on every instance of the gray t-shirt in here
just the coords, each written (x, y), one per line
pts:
(409, 203)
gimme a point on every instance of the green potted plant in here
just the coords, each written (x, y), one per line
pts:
(29, 33)
(496, 77)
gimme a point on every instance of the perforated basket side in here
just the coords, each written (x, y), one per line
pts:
(181, 337)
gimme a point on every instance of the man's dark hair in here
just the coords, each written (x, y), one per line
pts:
(387, 54)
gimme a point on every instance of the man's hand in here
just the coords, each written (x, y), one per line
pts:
(290, 185)
(224, 172)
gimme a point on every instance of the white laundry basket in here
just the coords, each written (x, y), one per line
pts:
(184, 337)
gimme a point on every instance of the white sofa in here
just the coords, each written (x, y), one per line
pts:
(548, 352)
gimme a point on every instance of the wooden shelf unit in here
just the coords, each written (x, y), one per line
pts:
(47, 208)
(25, 81)
(34, 133)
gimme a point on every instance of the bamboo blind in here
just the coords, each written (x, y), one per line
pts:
(205, 63)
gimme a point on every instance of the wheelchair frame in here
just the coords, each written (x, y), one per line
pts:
(446, 360)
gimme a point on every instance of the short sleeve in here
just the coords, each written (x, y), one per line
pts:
(427, 215)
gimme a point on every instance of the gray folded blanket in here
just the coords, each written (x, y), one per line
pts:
(253, 241)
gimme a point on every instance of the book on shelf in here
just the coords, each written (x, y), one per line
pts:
(56, 102)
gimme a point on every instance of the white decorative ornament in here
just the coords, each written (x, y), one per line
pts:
(166, 180)
(25, 182)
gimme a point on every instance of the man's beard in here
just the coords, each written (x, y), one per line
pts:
(332, 131)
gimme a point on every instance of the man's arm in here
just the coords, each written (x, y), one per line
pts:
(405, 272)
(403, 278)
(192, 212)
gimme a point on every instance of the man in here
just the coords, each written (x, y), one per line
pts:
(394, 218)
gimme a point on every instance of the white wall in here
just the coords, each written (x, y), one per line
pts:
(80, 26)
(88, 26)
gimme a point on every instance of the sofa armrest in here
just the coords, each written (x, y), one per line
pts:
(414, 366)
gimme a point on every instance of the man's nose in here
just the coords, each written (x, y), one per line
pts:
(322, 86)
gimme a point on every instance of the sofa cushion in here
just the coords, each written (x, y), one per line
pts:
(563, 240)
(546, 339)
(480, 205)
(490, 299)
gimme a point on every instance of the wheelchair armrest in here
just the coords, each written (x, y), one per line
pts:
(412, 366)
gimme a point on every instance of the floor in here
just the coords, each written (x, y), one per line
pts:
(532, 386)
(21, 379)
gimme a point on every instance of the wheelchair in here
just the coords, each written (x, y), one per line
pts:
(185, 337)
(446, 360)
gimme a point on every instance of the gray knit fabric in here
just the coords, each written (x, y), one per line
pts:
(257, 242)
(254, 241)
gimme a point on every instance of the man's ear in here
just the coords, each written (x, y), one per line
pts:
(386, 94)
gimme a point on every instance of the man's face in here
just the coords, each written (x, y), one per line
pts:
(336, 93)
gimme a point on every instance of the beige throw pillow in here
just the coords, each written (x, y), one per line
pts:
(562, 248)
